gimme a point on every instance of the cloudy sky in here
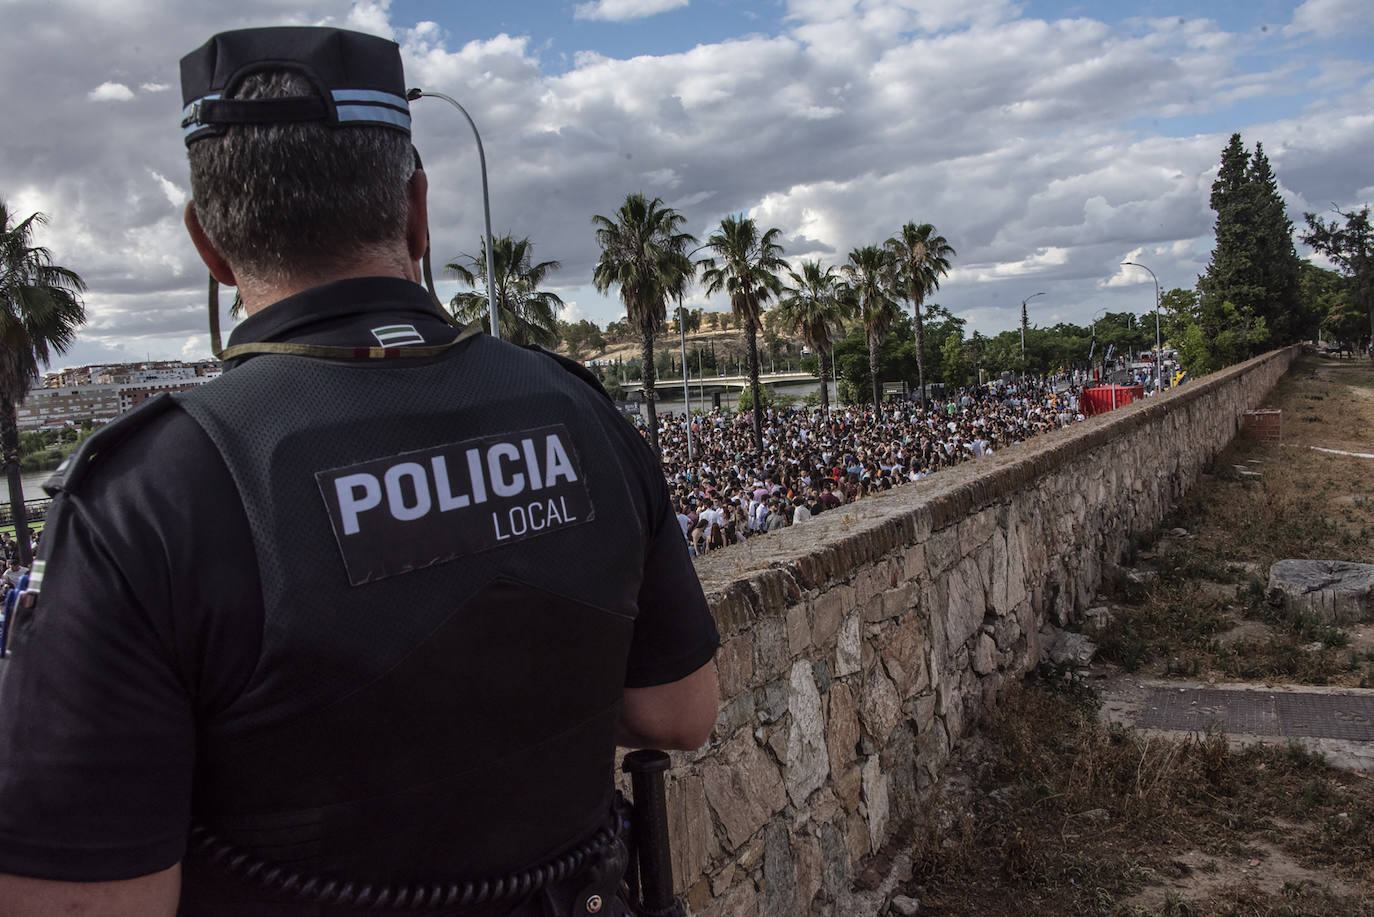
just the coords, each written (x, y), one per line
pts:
(1048, 140)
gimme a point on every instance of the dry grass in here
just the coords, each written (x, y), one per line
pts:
(1053, 812)
(1066, 815)
(1305, 504)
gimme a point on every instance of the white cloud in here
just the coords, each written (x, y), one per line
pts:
(196, 346)
(371, 17)
(1045, 151)
(111, 92)
(625, 10)
(176, 195)
(1331, 18)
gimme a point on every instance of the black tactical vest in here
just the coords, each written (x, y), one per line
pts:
(450, 553)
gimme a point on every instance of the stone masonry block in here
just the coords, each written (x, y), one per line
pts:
(967, 604)
(744, 788)
(975, 531)
(779, 873)
(904, 653)
(807, 763)
(735, 665)
(903, 599)
(875, 789)
(842, 740)
(848, 651)
(807, 850)
(690, 827)
(870, 583)
(914, 562)
(942, 550)
(827, 609)
(880, 707)
(740, 901)
(770, 648)
(798, 630)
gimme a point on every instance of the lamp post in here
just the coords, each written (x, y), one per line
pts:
(682, 327)
(1159, 353)
(1024, 320)
(414, 94)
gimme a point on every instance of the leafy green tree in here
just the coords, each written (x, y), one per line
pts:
(40, 311)
(528, 315)
(643, 253)
(954, 365)
(1349, 246)
(920, 258)
(869, 276)
(1232, 334)
(814, 308)
(938, 323)
(582, 334)
(1328, 296)
(691, 318)
(747, 271)
(896, 357)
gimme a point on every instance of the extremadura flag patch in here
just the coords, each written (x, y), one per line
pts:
(405, 512)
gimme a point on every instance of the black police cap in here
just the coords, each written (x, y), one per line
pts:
(358, 80)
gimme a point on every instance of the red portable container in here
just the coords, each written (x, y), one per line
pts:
(1104, 398)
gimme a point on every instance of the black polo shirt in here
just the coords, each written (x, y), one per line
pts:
(149, 620)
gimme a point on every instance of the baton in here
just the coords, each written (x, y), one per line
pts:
(650, 828)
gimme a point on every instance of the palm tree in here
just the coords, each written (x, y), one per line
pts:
(922, 258)
(642, 252)
(748, 273)
(528, 315)
(814, 308)
(40, 310)
(869, 273)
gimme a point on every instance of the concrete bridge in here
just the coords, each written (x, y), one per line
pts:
(725, 382)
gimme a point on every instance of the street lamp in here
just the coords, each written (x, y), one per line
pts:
(1023, 327)
(682, 327)
(1159, 353)
(411, 96)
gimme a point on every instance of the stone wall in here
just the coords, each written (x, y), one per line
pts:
(857, 648)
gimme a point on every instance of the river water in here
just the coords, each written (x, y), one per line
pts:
(33, 485)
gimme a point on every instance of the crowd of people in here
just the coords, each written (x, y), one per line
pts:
(9, 557)
(814, 461)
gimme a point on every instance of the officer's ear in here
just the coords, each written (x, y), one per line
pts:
(417, 216)
(219, 268)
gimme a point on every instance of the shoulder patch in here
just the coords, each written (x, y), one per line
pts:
(68, 475)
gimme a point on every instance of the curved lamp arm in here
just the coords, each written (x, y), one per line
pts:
(414, 94)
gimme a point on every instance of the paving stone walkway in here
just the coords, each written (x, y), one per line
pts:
(1339, 722)
(1260, 713)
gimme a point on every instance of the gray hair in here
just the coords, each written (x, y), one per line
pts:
(280, 199)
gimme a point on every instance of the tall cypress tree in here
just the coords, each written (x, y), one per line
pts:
(1232, 275)
(1276, 261)
(1251, 282)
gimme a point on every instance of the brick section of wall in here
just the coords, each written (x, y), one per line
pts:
(1264, 426)
(859, 647)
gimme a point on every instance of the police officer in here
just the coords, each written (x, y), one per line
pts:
(360, 623)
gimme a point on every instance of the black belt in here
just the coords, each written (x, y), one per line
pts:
(278, 879)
